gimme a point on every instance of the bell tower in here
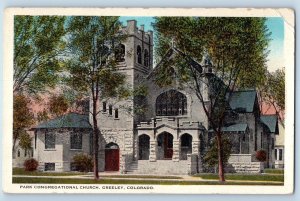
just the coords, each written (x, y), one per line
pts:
(138, 52)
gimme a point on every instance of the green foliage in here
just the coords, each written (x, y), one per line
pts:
(58, 105)
(37, 49)
(21, 171)
(249, 177)
(31, 164)
(25, 141)
(232, 52)
(43, 116)
(236, 46)
(274, 171)
(91, 66)
(211, 157)
(24, 180)
(92, 42)
(23, 117)
(83, 162)
(273, 90)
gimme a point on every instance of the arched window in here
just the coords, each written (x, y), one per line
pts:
(120, 53)
(139, 54)
(171, 103)
(19, 153)
(146, 58)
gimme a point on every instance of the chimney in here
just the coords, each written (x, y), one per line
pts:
(142, 27)
(131, 26)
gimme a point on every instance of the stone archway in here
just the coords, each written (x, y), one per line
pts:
(185, 146)
(165, 146)
(112, 157)
(144, 147)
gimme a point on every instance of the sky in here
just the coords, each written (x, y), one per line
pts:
(274, 24)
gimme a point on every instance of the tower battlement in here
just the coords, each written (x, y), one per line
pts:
(139, 32)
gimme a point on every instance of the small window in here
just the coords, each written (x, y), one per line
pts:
(76, 140)
(120, 53)
(31, 152)
(49, 141)
(110, 110)
(49, 167)
(116, 113)
(139, 54)
(25, 153)
(276, 154)
(280, 154)
(104, 106)
(19, 154)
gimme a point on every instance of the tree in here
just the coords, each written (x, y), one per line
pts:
(22, 117)
(57, 105)
(234, 52)
(91, 67)
(211, 157)
(273, 91)
(38, 45)
(25, 141)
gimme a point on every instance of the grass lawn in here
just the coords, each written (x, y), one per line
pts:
(27, 180)
(274, 171)
(141, 176)
(21, 171)
(252, 177)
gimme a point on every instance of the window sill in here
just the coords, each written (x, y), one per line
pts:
(76, 149)
(117, 118)
(49, 149)
(104, 112)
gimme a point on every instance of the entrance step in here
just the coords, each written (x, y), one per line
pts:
(159, 167)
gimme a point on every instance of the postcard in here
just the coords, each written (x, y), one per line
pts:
(149, 100)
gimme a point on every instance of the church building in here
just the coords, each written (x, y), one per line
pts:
(171, 137)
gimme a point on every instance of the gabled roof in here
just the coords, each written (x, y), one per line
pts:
(243, 101)
(235, 128)
(71, 120)
(169, 54)
(271, 121)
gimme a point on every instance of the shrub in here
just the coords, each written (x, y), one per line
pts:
(83, 162)
(261, 155)
(31, 164)
(211, 157)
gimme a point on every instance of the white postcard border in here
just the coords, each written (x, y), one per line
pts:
(289, 47)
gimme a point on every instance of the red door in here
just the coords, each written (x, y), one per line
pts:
(168, 146)
(112, 159)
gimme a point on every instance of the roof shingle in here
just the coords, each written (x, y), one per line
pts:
(270, 121)
(71, 120)
(243, 100)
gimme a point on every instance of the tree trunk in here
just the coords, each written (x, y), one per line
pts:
(220, 157)
(14, 146)
(95, 140)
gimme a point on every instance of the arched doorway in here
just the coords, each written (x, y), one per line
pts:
(165, 146)
(186, 146)
(112, 157)
(144, 146)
